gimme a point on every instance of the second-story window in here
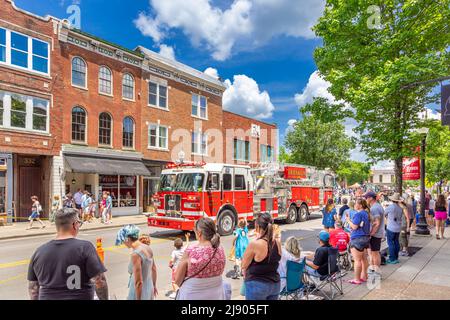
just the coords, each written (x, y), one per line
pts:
(128, 86)
(128, 133)
(266, 153)
(78, 124)
(19, 50)
(157, 136)
(2, 45)
(157, 95)
(78, 72)
(199, 106)
(105, 81)
(241, 150)
(199, 143)
(104, 129)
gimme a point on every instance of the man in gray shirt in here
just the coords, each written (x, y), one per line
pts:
(394, 215)
(377, 228)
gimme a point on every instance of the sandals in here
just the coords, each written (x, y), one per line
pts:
(437, 237)
(354, 282)
(362, 280)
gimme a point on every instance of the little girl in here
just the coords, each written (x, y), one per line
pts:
(240, 243)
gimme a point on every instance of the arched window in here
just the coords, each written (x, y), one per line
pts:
(78, 72)
(78, 124)
(128, 133)
(105, 80)
(104, 129)
(128, 86)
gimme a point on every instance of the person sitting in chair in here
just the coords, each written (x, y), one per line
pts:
(317, 265)
(339, 238)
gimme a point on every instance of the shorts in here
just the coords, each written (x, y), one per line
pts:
(34, 215)
(78, 206)
(440, 215)
(360, 243)
(375, 244)
(431, 212)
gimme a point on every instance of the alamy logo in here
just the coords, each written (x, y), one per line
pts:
(74, 280)
(374, 21)
(75, 16)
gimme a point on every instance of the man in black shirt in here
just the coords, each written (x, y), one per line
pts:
(319, 266)
(67, 268)
(343, 208)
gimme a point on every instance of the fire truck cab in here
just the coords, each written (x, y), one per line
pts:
(227, 193)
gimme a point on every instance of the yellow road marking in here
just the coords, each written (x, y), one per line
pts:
(22, 275)
(14, 264)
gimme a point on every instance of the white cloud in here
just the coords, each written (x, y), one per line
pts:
(212, 72)
(245, 23)
(243, 96)
(167, 52)
(316, 87)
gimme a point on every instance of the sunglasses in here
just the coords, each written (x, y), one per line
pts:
(80, 222)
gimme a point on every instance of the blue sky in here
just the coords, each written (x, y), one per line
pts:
(280, 65)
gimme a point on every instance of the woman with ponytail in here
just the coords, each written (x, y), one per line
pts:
(260, 262)
(199, 273)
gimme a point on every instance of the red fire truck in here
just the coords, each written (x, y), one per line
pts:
(227, 193)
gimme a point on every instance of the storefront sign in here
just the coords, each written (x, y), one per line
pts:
(411, 169)
(445, 105)
(294, 173)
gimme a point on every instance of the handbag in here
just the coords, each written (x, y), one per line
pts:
(197, 273)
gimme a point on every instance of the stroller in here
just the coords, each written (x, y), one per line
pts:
(345, 260)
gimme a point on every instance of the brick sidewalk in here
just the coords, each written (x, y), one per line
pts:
(18, 230)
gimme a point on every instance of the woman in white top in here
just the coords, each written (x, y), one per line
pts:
(290, 252)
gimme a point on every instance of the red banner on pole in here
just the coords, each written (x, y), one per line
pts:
(411, 169)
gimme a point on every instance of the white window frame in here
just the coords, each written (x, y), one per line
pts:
(7, 105)
(200, 137)
(112, 81)
(158, 127)
(85, 74)
(8, 62)
(265, 147)
(235, 158)
(158, 96)
(134, 87)
(86, 130)
(199, 97)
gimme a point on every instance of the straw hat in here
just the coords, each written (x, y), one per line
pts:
(396, 197)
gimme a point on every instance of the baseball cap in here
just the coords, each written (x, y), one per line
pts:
(370, 194)
(324, 236)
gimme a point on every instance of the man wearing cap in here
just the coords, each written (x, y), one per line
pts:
(394, 215)
(318, 267)
(376, 230)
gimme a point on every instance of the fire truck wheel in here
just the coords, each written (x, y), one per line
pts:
(292, 215)
(226, 223)
(303, 214)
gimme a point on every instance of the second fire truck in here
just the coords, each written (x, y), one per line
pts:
(227, 193)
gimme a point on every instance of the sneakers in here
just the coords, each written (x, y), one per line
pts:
(392, 261)
(173, 295)
(404, 253)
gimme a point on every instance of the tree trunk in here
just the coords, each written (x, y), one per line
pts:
(399, 175)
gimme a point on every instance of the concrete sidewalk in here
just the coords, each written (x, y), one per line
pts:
(18, 230)
(424, 276)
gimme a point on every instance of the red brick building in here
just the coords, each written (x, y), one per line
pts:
(115, 116)
(30, 130)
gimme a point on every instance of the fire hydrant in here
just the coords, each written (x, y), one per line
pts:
(100, 251)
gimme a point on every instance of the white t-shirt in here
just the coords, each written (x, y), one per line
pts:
(432, 204)
(176, 257)
(282, 267)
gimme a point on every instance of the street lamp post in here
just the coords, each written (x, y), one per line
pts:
(422, 225)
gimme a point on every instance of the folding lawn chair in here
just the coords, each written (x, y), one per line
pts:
(295, 288)
(331, 281)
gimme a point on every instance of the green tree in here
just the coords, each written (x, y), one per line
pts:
(371, 54)
(353, 172)
(283, 156)
(438, 153)
(317, 143)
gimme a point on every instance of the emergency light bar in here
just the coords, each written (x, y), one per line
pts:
(173, 165)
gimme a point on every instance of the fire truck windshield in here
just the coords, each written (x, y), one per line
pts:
(189, 182)
(167, 182)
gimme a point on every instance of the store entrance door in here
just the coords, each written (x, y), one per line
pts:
(30, 184)
(150, 185)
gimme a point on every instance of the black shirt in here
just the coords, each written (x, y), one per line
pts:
(63, 269)
(266, 270)
(321, 260)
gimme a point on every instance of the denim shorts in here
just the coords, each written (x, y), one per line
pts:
(259, 290)
(360, 243)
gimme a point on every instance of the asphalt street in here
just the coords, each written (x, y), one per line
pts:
(15, 255)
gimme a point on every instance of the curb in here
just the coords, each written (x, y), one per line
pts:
(53, 232)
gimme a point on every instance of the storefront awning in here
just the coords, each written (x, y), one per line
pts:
(127, 167)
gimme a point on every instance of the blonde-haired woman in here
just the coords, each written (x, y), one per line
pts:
(290, 252)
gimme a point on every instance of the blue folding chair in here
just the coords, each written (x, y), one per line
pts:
(294, 281)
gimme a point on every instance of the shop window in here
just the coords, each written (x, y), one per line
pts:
(78, 72)
(104, 133)
(128, 133)
(105, 80)
(78, 124)
(123, 191)
(199, 106)
(2, 191)
(128, 86)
